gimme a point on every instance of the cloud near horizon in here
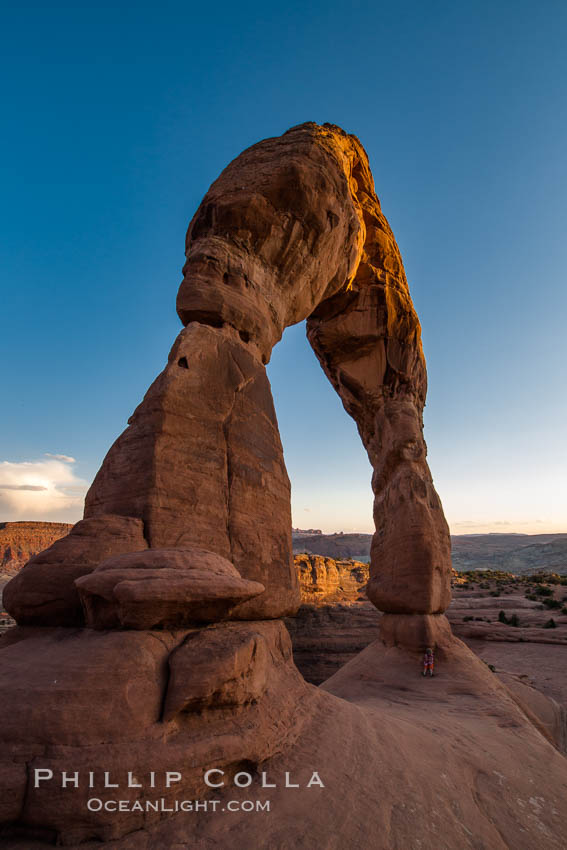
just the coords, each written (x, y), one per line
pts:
(45, 489)
(519, 526)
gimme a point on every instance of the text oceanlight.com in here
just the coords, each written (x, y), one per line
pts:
(162, 805)
(213, 778)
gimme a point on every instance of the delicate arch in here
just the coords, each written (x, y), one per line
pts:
(291, 230)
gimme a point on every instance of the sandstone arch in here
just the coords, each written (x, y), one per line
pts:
(291, 230)
(182, 566)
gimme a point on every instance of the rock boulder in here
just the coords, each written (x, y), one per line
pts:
(162, 588)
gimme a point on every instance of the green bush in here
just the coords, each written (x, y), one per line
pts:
(508, 621)
(551, 624)
(548, 578)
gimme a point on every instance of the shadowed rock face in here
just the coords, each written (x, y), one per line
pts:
(196, 488)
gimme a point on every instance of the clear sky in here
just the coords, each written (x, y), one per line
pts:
(117, 116)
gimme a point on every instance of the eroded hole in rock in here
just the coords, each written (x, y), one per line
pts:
(332, 218)
(183, 363)
(246, 768)
(204, 317)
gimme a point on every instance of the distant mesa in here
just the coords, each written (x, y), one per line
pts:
(19, 541)
(515, 553)
(338, 545)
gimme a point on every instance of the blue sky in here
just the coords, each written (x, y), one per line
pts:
(117, 117)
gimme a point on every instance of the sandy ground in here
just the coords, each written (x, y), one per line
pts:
(530, 651)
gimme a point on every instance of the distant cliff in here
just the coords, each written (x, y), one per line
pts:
(20, 540)
(340, 545)
(327, 581)
(335, 620)
(515, 553)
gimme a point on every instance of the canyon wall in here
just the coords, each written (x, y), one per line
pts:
(19, 541)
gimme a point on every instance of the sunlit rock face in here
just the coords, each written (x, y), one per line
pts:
(187, 526)
(20, 541)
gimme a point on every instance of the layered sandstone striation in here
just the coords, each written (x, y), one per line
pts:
(201, 464)
(20, 541)
(329, 581)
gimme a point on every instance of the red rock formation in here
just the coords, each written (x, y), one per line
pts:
(137, 702)
(292, 229)
(20, 541)
(202, 464)
(330, 581)
(162, 588)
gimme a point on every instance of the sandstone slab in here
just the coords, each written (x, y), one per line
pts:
(162, 588)
(223, 666)
(91, 704)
